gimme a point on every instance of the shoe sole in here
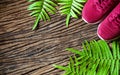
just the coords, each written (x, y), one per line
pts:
(98, 34)
(92, 23)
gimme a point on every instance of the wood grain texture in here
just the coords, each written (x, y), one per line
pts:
(27, 52)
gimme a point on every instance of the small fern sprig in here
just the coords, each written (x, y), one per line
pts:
(71, 8)
(96, 58)
(40, 10)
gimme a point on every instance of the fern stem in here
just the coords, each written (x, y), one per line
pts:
(36, 23)
(38, 19)
(67, 20)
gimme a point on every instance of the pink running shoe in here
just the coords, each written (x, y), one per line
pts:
(110, 27)
(96, 10)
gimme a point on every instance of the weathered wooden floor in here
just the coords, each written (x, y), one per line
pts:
(27, 52)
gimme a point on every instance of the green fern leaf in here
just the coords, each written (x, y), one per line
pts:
(96, 58)
(40, 9)
(31, 0)
(71, 8)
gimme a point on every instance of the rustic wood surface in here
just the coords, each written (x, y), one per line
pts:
(27, 52)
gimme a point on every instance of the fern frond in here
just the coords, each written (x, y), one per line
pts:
(40, 10)
(96, 58)
(71, 8)
(31, 0)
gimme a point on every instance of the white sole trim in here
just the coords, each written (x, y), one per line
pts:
(91, 23)
(98, 33)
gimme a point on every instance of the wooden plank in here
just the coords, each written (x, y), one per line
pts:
(27, 52)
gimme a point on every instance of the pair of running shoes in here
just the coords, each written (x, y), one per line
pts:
(107, 14)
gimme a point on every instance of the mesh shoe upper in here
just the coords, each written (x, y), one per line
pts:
(94, 10)
(110, 27)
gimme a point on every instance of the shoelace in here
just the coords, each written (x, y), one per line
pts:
(103, 4)
(115, 19)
